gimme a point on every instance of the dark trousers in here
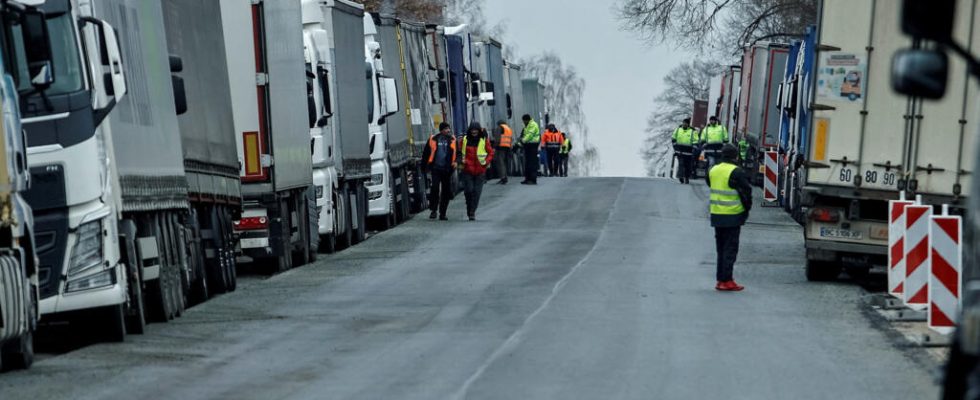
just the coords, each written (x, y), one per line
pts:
(685, 167)
(441, 191)
(563, 164)
(531, 162)
(502, 158)
(726, 243)
(552, 161)
(472, 189)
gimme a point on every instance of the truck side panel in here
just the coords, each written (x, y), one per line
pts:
(207, 129)
(291, 148)
(397, 125)
(941, 140)
(145, 133)
(847, 80)
(352, 90)
(418, 67)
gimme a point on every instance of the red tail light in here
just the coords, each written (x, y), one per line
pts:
(251, 223)
(821, 214)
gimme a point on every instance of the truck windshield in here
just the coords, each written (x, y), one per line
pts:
(67, 64)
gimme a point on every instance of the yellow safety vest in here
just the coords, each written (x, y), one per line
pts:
(724, 199)
(685, 137)
(481, 150)
(714, 134)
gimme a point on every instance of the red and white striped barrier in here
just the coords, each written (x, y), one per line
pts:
(896, 246)
(916, 290)
(945, 279)
(770, 184)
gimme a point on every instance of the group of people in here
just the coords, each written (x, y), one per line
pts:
(730, 198)
(473, 153)
(689, 142)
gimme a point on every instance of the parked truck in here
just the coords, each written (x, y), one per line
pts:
(757, 122)
(343, 101)
(868, 145)
(195, 42)
(24, 27)
(795, 97)
(268, 87)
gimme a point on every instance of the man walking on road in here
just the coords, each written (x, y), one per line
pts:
(684, 139)
(530, 140)
(731, 201)
(440, 160)
(505, 140)
(552, 141)
(566, 148)
(714, 136)
(477, 156)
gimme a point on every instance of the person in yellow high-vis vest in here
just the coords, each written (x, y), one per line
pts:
(684, 139)
(730, 203)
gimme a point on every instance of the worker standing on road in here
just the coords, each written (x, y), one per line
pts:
(684, 139)
(553, 145)
(505, 140)
(566, 148)
(477, 156)
(714, 136)
(440, 160)
(731, 201)
(530, 140)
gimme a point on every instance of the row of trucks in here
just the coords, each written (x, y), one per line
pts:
(846, 142)
(150, 148)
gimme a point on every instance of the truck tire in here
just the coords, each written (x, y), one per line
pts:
(822, 271)
(18, 353)
(360, 197)
(344, 239)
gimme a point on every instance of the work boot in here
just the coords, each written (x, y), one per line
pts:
(472, 216)
(443, 218)
(432, 215)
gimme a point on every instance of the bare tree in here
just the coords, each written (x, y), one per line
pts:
(685, 83)
(715, 25)
(564, 91)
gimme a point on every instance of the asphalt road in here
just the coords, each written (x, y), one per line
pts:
(573, 289)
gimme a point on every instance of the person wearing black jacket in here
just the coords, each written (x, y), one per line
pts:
(731, 201)
(440, 160)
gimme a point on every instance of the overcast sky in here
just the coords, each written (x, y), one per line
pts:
(622, 75)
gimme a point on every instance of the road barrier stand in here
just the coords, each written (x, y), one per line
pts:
(946, 265)
(916, 290)
(896, 245)
(770, 183)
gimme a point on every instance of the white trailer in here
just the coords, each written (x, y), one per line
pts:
(869, 144)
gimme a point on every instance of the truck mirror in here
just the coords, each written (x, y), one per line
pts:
(391, 95)
(931, 20)
(110, 57)
(180, 96)
(920, 73)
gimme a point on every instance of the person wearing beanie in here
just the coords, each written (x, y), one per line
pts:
(730, 203)
(477, 154)
(439, 159)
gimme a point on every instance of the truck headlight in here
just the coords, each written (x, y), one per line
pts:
(377, 179)
(87, 253)
(94, 281)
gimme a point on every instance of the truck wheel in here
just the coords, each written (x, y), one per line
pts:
(113, 324)
(18, 353)
(360, 199)
(343, 202)
(821, 271)
(328, 243)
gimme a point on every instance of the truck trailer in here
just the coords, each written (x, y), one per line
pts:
(757, 121)
(869, 145)
(23, 27)
(268, 86)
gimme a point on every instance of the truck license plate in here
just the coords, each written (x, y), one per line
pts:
(252, 243)
(840, 233)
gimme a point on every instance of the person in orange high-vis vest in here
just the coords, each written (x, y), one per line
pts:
(440, 161)
(552, 144)
(505, 142)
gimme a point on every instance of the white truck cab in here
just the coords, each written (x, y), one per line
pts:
(381, 191)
